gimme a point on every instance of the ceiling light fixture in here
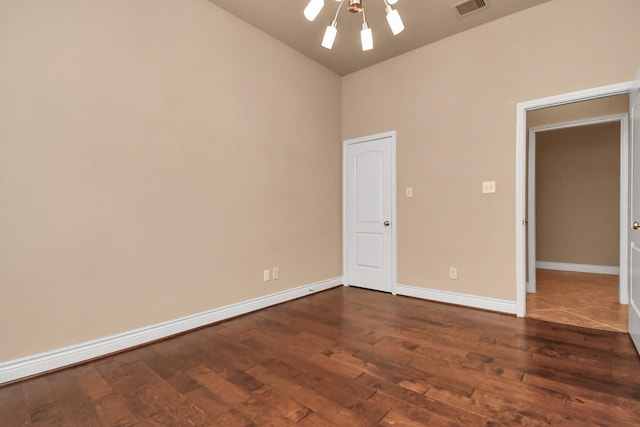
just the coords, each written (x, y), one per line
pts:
(394, 20)
(332, 30)
(313, 9)
(366, 36)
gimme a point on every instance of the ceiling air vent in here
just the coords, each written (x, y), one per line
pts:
(469, 6)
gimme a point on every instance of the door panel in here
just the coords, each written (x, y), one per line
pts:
(634, 237)
(369, 171)
(369, 180)
(369, 250)
(634, 297)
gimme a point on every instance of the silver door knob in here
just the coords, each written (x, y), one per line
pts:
(387, 223)
(635, 225)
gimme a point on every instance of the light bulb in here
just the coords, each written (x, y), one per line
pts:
(330, 35)
(313, 9)
(394, 20)
(366, 37)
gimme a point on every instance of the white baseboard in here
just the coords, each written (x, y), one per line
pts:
(43, 362)
(493, 304)
(581, 268)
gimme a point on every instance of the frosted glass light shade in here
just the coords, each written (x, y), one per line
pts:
(395, 21)
(313, 9)
(329, 35)
(392, 1)
(366, 37)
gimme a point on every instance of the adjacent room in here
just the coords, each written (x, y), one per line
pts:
(224, 212)
(576, 189)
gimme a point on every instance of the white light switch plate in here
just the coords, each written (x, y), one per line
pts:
(409, 191)
(488, 186)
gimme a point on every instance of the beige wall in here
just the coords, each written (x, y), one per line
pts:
(155, 157)
(599, 107)
(453, 104)
(578, 195)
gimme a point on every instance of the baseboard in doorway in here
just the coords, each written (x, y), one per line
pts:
(475, 301)
(579, 268)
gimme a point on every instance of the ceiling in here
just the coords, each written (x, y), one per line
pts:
(426, 21)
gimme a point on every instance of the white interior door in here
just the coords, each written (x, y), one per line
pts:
(634, 237)
(369, 222)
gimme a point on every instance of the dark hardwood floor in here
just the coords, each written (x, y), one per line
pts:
(349, 357)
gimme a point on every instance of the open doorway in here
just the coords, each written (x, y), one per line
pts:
(522, 110)
(576, 202)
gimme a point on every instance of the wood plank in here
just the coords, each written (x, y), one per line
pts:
(112, 410)
(220, 412)
(13, 405)
(219, 386)
(77, 402)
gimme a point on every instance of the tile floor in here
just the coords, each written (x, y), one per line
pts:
(581, 299)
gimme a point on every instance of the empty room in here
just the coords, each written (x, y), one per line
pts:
(307, 212)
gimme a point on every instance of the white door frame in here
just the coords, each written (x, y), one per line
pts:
(521, 171)
(623, 278)
(394, 221)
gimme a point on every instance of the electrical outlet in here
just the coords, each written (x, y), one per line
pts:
(265, 275)
(275, 273)
(453, 273)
